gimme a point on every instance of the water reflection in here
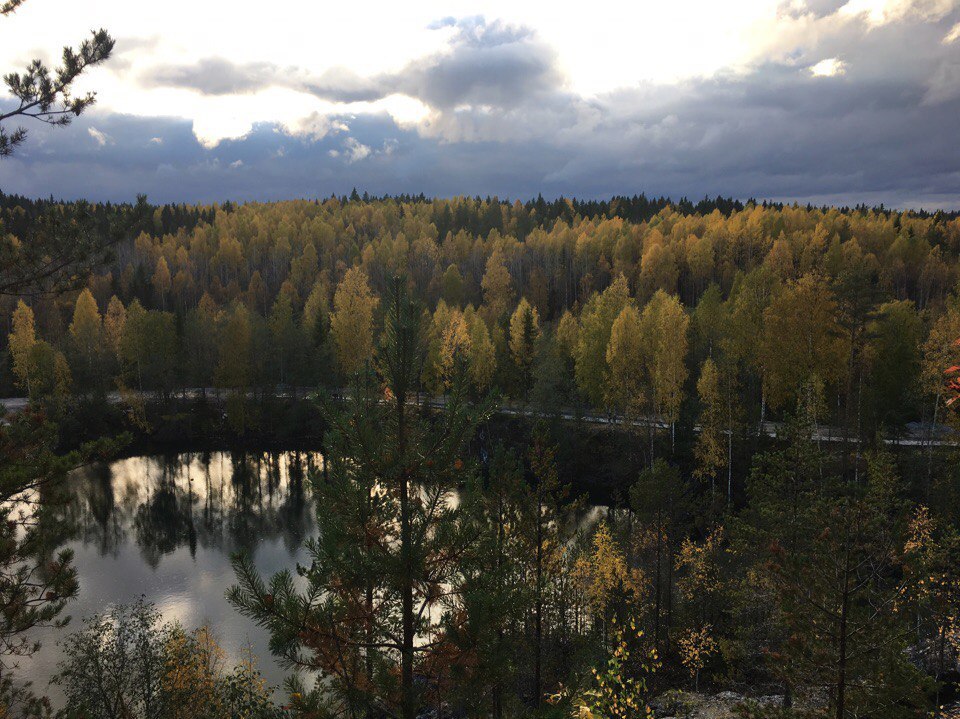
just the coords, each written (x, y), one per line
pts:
(165, 527)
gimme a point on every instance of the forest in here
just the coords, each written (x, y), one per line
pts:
(775, 381)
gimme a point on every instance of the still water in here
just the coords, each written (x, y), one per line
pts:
(165, 528)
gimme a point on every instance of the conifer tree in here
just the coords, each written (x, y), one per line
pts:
(548, 510)
(660, 501)
(496, 596)
(834, 555)
(524, 336)
(45, 96)
(389, 538)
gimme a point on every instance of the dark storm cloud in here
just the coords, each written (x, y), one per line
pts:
(340, 84)
(214, 76)
(488, 64)
(883, 130)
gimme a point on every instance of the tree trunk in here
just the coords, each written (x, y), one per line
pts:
(538, 618)
(650, 425)
(409, 704)
(658, 588)
(940, 655)
(842, 651)
(369, 618)
(933, 426)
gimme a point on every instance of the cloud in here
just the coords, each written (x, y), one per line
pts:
(339, 84)
(214, 76)
(354, 150)
(828, 68)
(100, 138)
(316, 126)
(881, 12)
(855, 104)
(486, 64)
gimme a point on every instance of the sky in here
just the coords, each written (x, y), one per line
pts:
(823, 101)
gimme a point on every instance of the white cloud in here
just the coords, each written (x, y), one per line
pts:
(315, 126)
(953, 35)
(880, 12)
(354, 150)
(828, 68)
(156, 140)
(100, 138)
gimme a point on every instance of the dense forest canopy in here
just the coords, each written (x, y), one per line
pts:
(783, 516)
(554, 301)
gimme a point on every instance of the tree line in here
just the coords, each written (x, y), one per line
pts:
(729, 318)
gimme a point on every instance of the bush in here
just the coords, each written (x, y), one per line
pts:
(128, 663)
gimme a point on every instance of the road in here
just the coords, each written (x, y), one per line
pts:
(942, 436)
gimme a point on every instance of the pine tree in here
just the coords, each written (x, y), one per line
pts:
(660, 501)
(496, 596)
(547, 514)
(524, 337)
(389, 537)
(834, 554)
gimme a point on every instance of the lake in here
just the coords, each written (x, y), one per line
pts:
(164, 527)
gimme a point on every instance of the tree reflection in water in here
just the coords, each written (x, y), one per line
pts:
(164, 527)
(220, 501)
